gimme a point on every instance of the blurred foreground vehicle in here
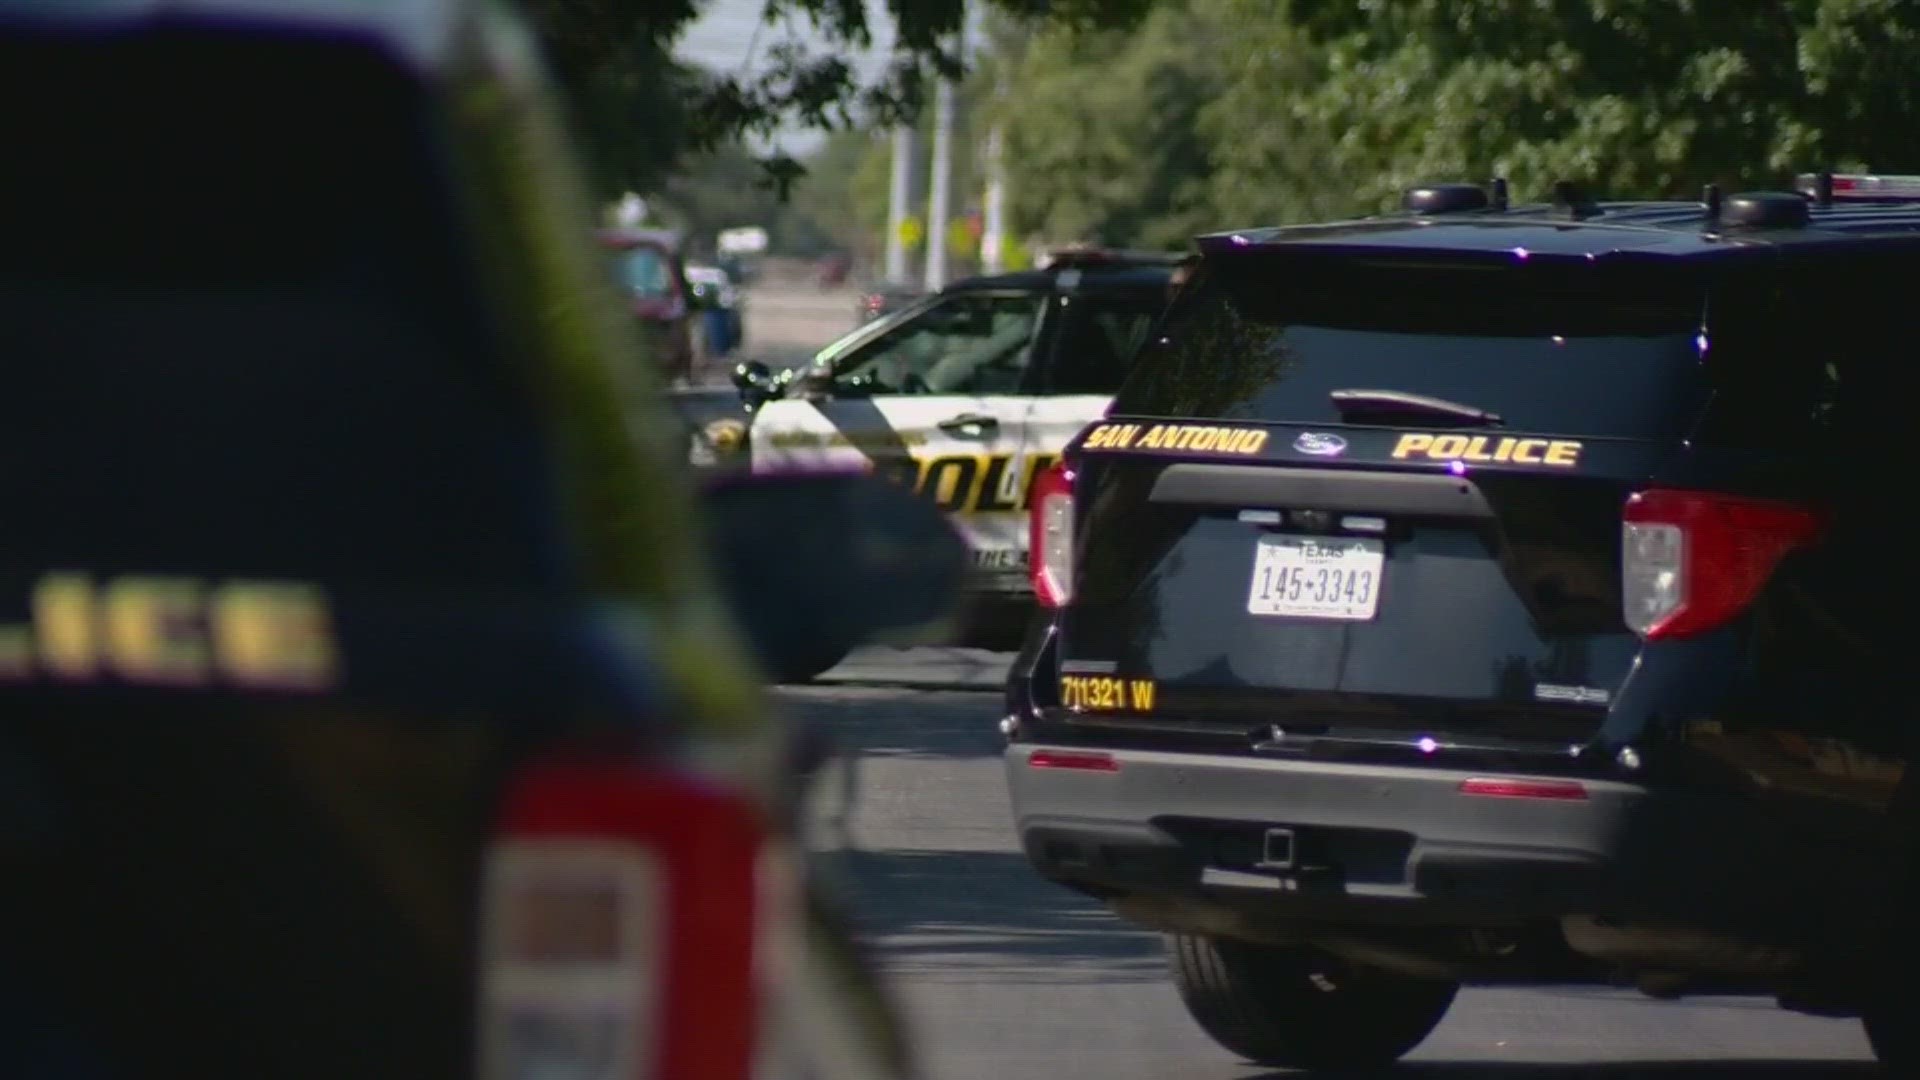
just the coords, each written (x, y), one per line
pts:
(649, 269)
(1494, 594)
(369, 703)
(965, 397)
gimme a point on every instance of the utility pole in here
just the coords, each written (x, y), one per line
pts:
(940, 201)
(906, 149)
(993, 227)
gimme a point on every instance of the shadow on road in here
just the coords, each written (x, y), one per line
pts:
(931, 726)
(971, 915)
(925, 667)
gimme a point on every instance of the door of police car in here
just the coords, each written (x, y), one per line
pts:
(1093, 335)
(938, 401)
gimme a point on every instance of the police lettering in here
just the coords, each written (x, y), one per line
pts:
(1191, 438)
(1104, 693)
(1505, 449)
(969, 483)
(173, 631)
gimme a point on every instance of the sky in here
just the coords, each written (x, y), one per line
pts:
(724, 39)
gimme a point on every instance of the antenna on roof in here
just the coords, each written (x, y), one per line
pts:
(1710, 198)
(1499, 193)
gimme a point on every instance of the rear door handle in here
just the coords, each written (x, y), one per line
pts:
(971, 425)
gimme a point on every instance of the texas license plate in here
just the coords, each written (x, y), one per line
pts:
(1316, 577)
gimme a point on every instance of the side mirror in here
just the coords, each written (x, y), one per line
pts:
(815, 564)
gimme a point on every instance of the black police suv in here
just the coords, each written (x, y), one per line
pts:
(1495, 593)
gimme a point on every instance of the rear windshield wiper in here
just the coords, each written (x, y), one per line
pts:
(1400, 403)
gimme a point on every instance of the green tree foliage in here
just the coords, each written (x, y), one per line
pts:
(848, 184)
(637, 112)
(833, 208)
(1212, 114)
(1102, 135)
(1220, 113)
(841, 204)
(1635, 97)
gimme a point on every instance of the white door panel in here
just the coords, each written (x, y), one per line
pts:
(934, 402)
(963, 452)
(1052, 422)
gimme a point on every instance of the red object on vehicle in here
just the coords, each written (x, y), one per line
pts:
(1507, 787)
(1050, 536)
(621, 922)
(1089, 761)
(1692, 561)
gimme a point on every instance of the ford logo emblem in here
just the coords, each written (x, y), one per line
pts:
(1319, 444)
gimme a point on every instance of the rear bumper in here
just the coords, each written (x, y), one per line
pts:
(1392, 844)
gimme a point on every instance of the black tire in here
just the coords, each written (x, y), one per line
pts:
(1890, 1011)
(1890, 1033)
(810, 665)
(1296, 1008)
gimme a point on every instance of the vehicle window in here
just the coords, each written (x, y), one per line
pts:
(1577, 350)
(1099, 334)
(1772, 359)
(968, 344)
(644, 271)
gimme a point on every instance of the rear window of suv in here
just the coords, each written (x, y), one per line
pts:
(1575, 349)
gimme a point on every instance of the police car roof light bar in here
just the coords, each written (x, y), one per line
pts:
(1866, 187)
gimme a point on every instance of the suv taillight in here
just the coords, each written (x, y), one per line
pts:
(1050, 537)
(1691, 561)
(622, 909)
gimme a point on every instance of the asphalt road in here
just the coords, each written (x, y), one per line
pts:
(1006, 977)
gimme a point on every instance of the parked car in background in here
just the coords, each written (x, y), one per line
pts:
(965, 395)
(650, 269)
